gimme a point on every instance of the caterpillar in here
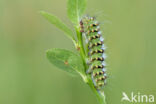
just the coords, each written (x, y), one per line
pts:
(95, 46)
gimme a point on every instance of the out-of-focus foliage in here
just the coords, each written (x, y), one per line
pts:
(26, 76)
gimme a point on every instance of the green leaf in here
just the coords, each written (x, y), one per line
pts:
(59, 24)
(66, 60)
(75, 9)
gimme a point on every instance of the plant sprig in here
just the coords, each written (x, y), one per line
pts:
(65, 59)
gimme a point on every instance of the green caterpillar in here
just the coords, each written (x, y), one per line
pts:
(96, 56)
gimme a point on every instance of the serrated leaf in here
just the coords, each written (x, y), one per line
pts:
(65, 60)
(59, 24)
(75, 9)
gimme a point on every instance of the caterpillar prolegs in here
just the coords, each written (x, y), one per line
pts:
(96, 56)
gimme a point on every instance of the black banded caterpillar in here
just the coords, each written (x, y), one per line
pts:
(96, 56)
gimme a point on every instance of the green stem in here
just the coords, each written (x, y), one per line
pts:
(80, 44)
(100, 95)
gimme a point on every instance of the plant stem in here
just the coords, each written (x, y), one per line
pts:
(80, 43)
(99, 94)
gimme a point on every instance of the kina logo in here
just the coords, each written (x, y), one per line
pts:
(137, 98)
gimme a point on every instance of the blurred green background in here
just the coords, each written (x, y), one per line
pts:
(26, 76)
